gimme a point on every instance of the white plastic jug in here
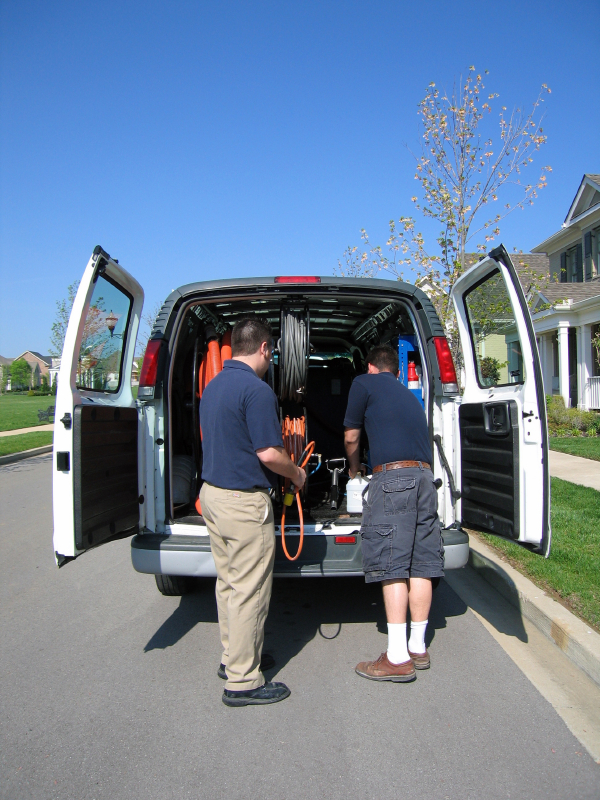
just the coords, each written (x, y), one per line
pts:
(354, 494)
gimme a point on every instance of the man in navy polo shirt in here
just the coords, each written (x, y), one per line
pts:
(242, 451)
(401, 538)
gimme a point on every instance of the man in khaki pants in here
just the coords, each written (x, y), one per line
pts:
(242, 450)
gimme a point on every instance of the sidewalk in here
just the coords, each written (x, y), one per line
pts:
(575, 469)
(35, 429)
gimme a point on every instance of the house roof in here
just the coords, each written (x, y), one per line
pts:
(556, 292)
(588, 195)
(530, 267)
(46, 359)
(533, 270)
(5, 361)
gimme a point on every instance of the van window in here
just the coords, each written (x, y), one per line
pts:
(104, 333)
(494, 336)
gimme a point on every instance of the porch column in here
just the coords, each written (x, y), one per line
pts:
(563, 361)
(584, 362)
(543, 351)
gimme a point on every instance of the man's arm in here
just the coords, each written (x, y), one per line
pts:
(352, 445)
(278, 461)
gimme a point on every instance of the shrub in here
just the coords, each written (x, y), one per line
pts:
(570, 421)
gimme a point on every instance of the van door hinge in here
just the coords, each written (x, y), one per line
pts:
(63, 461)
(67, 421)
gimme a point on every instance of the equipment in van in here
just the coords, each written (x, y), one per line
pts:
(293, 348)
(294, 435)
(356, 489)
(336, 466)
(413, 378)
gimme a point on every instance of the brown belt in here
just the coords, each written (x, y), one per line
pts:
(401, 465)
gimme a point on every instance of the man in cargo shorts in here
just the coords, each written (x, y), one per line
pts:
(242, 449)
(401, 538)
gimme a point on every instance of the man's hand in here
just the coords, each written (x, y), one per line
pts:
(277, 460)
(300, 478)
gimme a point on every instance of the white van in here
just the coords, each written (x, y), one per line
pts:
(126, 467)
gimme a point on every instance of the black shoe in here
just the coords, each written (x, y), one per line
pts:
(268, 693)
(266, 662)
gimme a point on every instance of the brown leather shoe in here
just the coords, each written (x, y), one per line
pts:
(384, 670)
(420, 660)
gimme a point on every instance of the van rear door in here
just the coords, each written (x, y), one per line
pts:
(505, 481)
(95, 458)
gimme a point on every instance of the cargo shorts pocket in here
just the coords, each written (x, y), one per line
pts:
(376, 547)
(397, 495)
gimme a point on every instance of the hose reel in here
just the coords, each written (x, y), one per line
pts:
(294, 352)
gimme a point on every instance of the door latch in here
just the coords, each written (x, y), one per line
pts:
(67, 421)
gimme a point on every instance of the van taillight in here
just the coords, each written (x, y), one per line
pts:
(149, 369)
(446, 365)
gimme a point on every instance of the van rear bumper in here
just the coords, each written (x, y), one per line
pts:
(171, 554)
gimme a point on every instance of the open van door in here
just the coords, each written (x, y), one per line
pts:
(502, 418)
(95, 458)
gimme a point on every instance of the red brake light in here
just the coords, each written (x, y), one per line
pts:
(150, 365)
(445, 362)
(297, 279)
(345, 539)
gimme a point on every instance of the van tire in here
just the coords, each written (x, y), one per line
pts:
(174, 585)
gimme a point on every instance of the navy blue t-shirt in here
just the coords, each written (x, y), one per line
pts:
(239, 415)
(392, 417)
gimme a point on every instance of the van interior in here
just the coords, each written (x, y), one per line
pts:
(320, 344)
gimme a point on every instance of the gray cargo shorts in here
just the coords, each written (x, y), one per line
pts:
(400, 531)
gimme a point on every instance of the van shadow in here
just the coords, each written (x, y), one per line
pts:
(491, 593)
(302, 609)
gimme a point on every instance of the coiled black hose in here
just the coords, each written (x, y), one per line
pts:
(293, 355)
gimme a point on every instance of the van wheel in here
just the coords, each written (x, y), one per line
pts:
(174, 585)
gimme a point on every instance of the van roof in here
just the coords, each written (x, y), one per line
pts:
(353, 286)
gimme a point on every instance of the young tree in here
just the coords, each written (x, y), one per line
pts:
(462, 170)
(59, 326)
(20, 374)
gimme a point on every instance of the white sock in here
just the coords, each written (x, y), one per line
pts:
(397, 651)
(416, 644)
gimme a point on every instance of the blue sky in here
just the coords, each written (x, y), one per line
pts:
(197, 140)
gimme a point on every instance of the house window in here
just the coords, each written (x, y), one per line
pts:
(595, 248)
(595, 353)
(571, 265)
(554, 355)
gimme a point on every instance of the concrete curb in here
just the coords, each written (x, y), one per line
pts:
(577, 640)
(36, 451)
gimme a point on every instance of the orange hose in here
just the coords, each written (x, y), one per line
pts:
(214, 359)
(226, 351)
(294, 436)
(210, 366)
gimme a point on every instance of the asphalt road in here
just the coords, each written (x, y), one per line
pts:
(109, 690)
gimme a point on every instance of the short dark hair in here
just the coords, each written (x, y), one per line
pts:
(248, 334)
(385, 358)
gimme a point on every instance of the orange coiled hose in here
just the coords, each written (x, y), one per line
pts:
(213, 355)
(210, 366)
(226, 351)
(294, 437)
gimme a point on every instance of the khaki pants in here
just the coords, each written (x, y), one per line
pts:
(242, 541)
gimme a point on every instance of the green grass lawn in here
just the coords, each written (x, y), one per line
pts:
(584, 446)
(20, 411)
(24, 441)
(573, 569)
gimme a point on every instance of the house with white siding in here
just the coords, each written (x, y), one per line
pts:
(568, 303)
